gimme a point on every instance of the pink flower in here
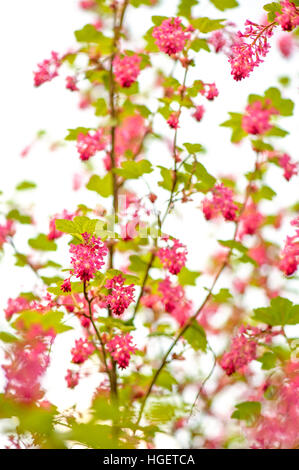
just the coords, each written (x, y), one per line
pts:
(173, 120)
(289, 16)
(245, 57)
(173, 257)
(88, 257)
(28, 360)
(290, 168)
(290, 255)
(87, 4)
(210, 91)
(259, 254)
(126, 69)
(286, 44)
(66, 286)
(221, 203)
(6, 230)
(72, 378)
(15, 306)
(250, 221)
(81, 351)
(53, 232)
(242, 351)
(88, 144)
(170, 36)
(129, 135)
(71, 83)
(174, 300)
(121, 296)
(198, 113)
(217, 40)
(121, 348)
(256, 119)
(47, 70)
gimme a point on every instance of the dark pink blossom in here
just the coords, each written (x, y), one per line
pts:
(170, 36)
(121, 348)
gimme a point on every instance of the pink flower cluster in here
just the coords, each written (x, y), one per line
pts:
(87, 4)
(170, 36)
(173, 120)
(173, 257)
(88, 144)
(121, 348)
(174, 301)
(245, 57)
(286, 44)
(289, 257)
(15, 306)
(71, 83)
(289, 16)
(47, 70)
(210, 91)
(6, 230)
(126, 69)
(72, 378)
(250, 221)
(221, 203)
(217, 40)
(198, 113)
(53, 232)
(88, 257)
(242, 351)
(28, 361)
(290, 168)
(120, 297)
(256, 119)
(81, 351)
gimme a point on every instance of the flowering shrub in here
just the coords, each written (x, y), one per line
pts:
(163, 328)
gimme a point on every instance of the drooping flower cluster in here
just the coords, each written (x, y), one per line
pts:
(242, 351)
(87, 4)
(15, 306)
(221, 203)
(71, 83)
(72, 378)
(81, 351)
(121, 296)
(289, 16)
(87, 257)
(290, 168)
(53, 232)
(126, 69)
(289, 257)
(6, 230)
(28, 360)
(217, 40)
(173, 257)
(286, 44)
(198, 113)
(66, 285)
(256, 119)
(250, 221)
(210, 91)
(47, 70)
(170, 36)
(175, 301)
(88, 144)
(245, 56)
(121, 348)
(173, 120)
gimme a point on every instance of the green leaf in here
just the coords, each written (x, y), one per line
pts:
(91, 35)
(199, 44)
(24, 185)
(193, 148)
(42, 243)
(234, 245)
(100, 107)
(132, 170)
(166, 380)
(196, 336)
(235, 123)
(48, 320)
(185, 7)
(206, 25)
(188, 278)
(281, 312)
(205, 181)
(268, 360)
(102, 186)
(272, 8)
(265, 192)
(222, 297)
(167, 181)
(15, 214)
(284, 106)
(223, 5)
(7, 337)
(73, 133)
(247, 411)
